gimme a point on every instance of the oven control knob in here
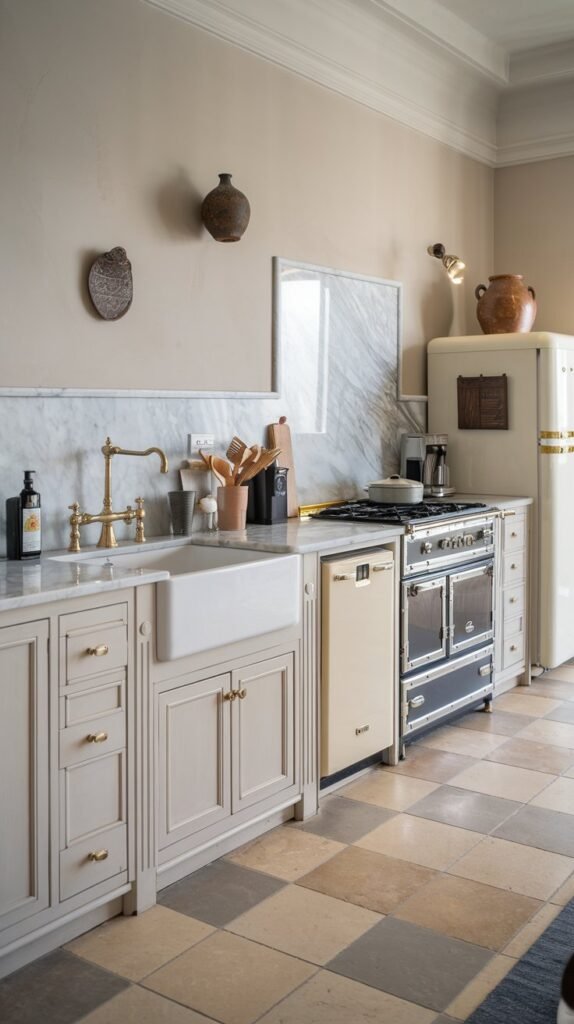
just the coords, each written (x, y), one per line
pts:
(426, 548)
(444, 543)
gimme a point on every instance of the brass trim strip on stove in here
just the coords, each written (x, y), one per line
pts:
(555, 434)
(555, 449)
(307, 510)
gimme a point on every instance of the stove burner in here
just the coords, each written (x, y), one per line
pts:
(365, 511)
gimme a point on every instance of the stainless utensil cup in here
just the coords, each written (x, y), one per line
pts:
(181, 507)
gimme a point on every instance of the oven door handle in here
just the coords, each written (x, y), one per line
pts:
(419, 588)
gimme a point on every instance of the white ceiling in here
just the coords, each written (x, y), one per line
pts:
(516, 24)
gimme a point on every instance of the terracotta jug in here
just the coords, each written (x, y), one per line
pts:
(507, 305)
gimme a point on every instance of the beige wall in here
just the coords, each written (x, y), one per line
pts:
(534, 232)
(116, 118)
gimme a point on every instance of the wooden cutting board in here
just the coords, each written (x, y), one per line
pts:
(279, 436)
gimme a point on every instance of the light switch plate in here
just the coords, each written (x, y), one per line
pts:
(197, 441)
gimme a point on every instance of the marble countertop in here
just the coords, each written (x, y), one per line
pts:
(24, 584)
(58, 576)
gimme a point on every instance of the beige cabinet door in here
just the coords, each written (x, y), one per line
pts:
(194, 762)
(263, 731)
(24, 771)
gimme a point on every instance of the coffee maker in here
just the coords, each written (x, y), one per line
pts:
(436, 477)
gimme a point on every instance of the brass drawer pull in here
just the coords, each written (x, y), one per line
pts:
(514, 534)
(98, 652)
(513, 565)
(97, 737)
(417, 702)
(382, 567)
(513, 647)
(98, 855)
(242, 694)
(513, 600)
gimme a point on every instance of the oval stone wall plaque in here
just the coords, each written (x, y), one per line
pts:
(110, 284)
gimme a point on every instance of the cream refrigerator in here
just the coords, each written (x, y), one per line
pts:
(534, 457)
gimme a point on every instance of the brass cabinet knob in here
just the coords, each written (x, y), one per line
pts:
(98, 855)
(98, 652)
(242, 694)
(513, 565)
(513, 647)
(514, 534)
(97, 737)
(229, 695)
(512, 600)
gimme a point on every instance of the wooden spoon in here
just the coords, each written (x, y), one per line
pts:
(264, 460)
(221, 470)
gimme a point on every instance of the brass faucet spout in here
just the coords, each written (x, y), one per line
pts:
(110, 449)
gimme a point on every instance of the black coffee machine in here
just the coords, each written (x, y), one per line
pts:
(267, 502)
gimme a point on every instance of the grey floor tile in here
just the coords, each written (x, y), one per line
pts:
(504, 723)
(57, 989)
(218, 893)
(412, 963)
(464, 808)
(345, 820)
(540, 827)
(565, 713)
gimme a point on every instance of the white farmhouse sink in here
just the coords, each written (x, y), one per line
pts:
(215, 596)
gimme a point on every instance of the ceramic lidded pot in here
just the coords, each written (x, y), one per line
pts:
(506, 306)
(225, 211)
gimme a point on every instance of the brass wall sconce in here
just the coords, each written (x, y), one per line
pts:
(453, 265)
(225, 211)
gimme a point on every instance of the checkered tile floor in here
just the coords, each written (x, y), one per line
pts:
(406, 899)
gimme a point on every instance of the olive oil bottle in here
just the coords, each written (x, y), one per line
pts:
(24, 521)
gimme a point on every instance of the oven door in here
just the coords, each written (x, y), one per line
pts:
(424, 613)
(470, 607)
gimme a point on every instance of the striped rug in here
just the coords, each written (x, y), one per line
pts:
(530, 992)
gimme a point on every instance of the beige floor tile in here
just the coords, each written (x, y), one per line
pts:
(525, 704)
(558, 734)
(138, 1006)
(368, 879)
(557, 797)
(565, 893)
(528, 754)
(469, 910)
(555, 688)
(512, 866)
(502, 780)
(472, 996)
(134, 946)
(420, 840)
(565, 674)
(432, 765)
(305, 923)
(389, 790)
(463, 741)
(286, 853)
(230, 978)
(331, 999)
(522, 942)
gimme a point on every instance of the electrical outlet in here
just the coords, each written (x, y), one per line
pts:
(197, 441)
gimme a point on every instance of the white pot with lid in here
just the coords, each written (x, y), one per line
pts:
(395, 490)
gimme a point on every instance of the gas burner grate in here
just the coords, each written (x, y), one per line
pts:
(365, 511)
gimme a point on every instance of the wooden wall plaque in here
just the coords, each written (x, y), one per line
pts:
(482, 403)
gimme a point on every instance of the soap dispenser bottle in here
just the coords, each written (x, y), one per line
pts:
(24, 521)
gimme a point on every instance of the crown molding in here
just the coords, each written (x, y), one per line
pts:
(542, 65)
(533, 150)
(355, 49)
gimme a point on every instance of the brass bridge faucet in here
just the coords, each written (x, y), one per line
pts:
(106, 517)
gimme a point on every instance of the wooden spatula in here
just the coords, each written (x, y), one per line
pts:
(264, 460)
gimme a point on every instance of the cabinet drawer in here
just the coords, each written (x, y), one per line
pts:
(513, 651)
(84, 741)
(513, 601)
(78, 869)
(92, 797)
(512, 627)
(514, 532)
(93, 642)
(87, 705)
(513, 568)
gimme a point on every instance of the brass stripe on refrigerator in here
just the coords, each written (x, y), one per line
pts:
(555, 434)
(551, 449)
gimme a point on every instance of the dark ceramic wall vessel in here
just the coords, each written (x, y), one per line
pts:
(110, 284)
(225, 211)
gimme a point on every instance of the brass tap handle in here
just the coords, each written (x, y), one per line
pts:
(140, 513)
(75, 518)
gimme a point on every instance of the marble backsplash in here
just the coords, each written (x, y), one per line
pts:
(337, 355)
(61, 438)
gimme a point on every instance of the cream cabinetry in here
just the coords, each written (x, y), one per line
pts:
(227, 744)
(511, 625)
(24, 772)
